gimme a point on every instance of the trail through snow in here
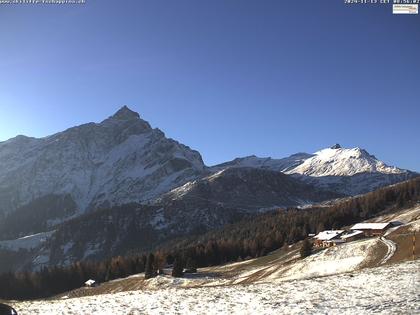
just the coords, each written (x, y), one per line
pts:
(392, 247)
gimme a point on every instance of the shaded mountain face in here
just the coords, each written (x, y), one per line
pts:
(194, 208)
(249, 189)
(345, 171)
(120, 160)
(126, 229)
(38, 216)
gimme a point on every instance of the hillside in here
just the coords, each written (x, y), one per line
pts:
(250, 189)
(195, 208)
(285, 264)
(260, 284)
(383, 290)
(252, 237)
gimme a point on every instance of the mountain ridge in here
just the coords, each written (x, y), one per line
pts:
(81, 161)
(336, 169)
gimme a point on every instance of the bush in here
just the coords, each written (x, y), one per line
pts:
(178, 269)
(150, 271)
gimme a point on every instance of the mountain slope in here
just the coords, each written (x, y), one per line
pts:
(384, 290)
(250, 189)
(338, 161)
(120, 160)
(195, 208)
(347, 171)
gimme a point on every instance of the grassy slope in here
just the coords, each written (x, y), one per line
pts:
(280, 264)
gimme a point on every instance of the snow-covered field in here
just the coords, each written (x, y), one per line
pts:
(389, 289)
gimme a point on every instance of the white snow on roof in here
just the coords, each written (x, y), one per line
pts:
(351, 234)
(370, 226)
(90, 282)
(328, 235)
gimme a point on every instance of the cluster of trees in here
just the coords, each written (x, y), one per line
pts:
(245, 239)
(33, 217)
(55, 280)
(259, 235)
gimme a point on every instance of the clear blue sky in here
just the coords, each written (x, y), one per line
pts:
(228, 78)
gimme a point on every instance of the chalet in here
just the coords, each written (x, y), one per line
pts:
(91, 283)
(328, 238)
(352, 236)
(372, 229)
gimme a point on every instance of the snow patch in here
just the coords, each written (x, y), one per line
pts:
(27, 242)
(158, 221)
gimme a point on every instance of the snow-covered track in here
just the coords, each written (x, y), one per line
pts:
(392, 247)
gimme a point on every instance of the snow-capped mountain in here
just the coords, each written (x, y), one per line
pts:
(338, 161)
(348, 171)
(120, 160)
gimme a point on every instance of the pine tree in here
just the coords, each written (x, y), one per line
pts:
(150, 271)
(178, 269)
(306, 248)
(191, 266)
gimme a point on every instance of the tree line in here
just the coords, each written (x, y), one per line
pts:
(249, 238)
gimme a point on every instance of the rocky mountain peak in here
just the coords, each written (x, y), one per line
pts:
(125, 113)
(120, 160)
(336, 146)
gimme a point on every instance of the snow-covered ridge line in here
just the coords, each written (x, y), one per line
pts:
(334, 161)
(123, 159)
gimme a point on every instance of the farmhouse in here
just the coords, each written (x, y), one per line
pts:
(328, 238)
(91, 283)
(360, 230)
(372, 229)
